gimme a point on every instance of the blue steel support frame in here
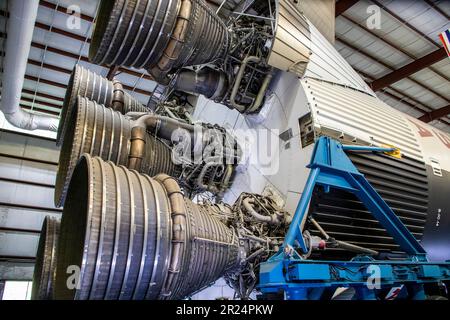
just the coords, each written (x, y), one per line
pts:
(332, 168)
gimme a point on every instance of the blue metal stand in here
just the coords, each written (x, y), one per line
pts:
(302, 279)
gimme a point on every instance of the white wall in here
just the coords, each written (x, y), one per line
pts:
(27, 176)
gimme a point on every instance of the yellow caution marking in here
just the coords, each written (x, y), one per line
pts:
(396, 153)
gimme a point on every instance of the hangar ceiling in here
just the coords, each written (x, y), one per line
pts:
(403, 60)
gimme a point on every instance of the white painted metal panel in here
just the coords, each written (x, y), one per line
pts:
(28, 147)
(23, 218)
(435, 143)
(356, 36)
(60, 20)
(338, 110)
(419, 14)
(321, 13)
(16, 271)
(26, 170)
(392, 29)
(327, 64)
(88, 7)
(44, 88)
(26, 194)
(360, 61)
(60, 42)
(27, 173)
(38, 72)
(18, 244)
(291, 47)
(420, 93)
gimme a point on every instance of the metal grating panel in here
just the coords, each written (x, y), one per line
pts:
(401, 183)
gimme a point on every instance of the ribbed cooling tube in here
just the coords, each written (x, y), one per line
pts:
(45, 266)
(136, 237)
(86, 83)
(158, 35)
(106, 133)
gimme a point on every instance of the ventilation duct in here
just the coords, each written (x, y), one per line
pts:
(136, 237)
(45, 266)
(22, 16)
(158, 35)
(86, 83)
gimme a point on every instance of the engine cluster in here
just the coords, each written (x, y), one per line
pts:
(131, 170)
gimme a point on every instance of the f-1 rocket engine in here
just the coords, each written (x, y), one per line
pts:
(136, 237)
(184, 45)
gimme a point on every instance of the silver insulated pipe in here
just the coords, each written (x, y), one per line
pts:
(22, 16)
